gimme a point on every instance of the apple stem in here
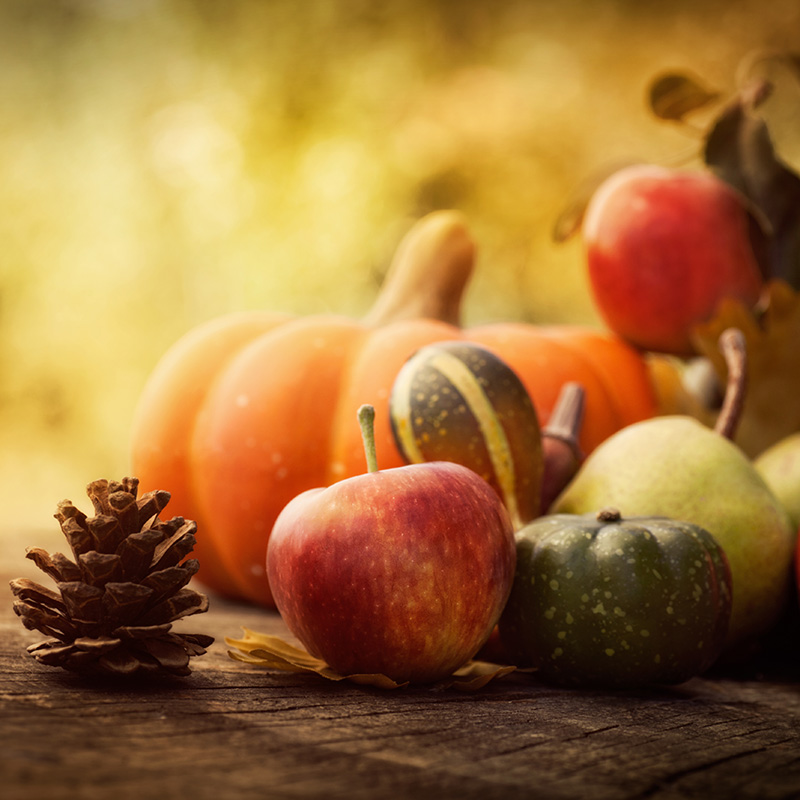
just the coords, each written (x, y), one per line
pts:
(366, 419)
(734, 348)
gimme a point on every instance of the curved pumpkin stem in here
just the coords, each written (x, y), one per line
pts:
(429, 272)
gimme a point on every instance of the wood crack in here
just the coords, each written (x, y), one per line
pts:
(706, 766)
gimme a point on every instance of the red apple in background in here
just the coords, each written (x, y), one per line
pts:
(402, 572)
(663, 247)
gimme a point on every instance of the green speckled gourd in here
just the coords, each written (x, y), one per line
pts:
(603, 601)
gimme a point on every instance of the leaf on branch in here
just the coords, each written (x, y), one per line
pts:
(673, 96)
(272, 652)
(739, 150)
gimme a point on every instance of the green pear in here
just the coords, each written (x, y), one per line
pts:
(677, 467)
(779, 466)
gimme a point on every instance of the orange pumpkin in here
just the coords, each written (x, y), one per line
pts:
(249, 410)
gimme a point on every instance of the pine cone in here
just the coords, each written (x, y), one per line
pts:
(116, 602)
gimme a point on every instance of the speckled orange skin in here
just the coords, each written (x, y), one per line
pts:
(402, 572)
(248, 411)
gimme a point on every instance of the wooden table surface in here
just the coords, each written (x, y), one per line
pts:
(232, 730)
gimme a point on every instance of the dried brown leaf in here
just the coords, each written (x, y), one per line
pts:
(674, 95)
(272, 652)
(739, 149)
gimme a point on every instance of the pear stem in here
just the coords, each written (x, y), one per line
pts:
(366, 419)
(733, 346)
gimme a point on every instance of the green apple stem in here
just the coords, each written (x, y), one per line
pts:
(734, 348)
(366, 419)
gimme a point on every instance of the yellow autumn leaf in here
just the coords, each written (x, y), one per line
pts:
(673, 396)
(772, 402)
(272, 652)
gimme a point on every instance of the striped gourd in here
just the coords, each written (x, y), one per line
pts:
(457, 401)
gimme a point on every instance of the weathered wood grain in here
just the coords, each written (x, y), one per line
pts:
(230, 730)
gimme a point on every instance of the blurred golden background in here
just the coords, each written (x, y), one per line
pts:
(163, 162)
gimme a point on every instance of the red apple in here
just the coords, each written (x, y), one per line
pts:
(663, 247)
(402, 572)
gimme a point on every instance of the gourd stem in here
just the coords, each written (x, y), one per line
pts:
(567, 418)
(733, 346)
(561, 450)
(366, 419)
(609, 514)
(429, 273)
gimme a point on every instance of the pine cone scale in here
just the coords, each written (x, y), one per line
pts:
(137, 551)
(114, 606)
(168, 581)
(30, 592)
(100, 644)
(79, 538)
(120, 662)
(36, 618)
(123, 602)
(183, 603)
(142, 631)
(106, 532)
(171, 551)
(51, 653)
(100, 568)
(58, 567)
(169, 652)
(83, 602)
(151, 505)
